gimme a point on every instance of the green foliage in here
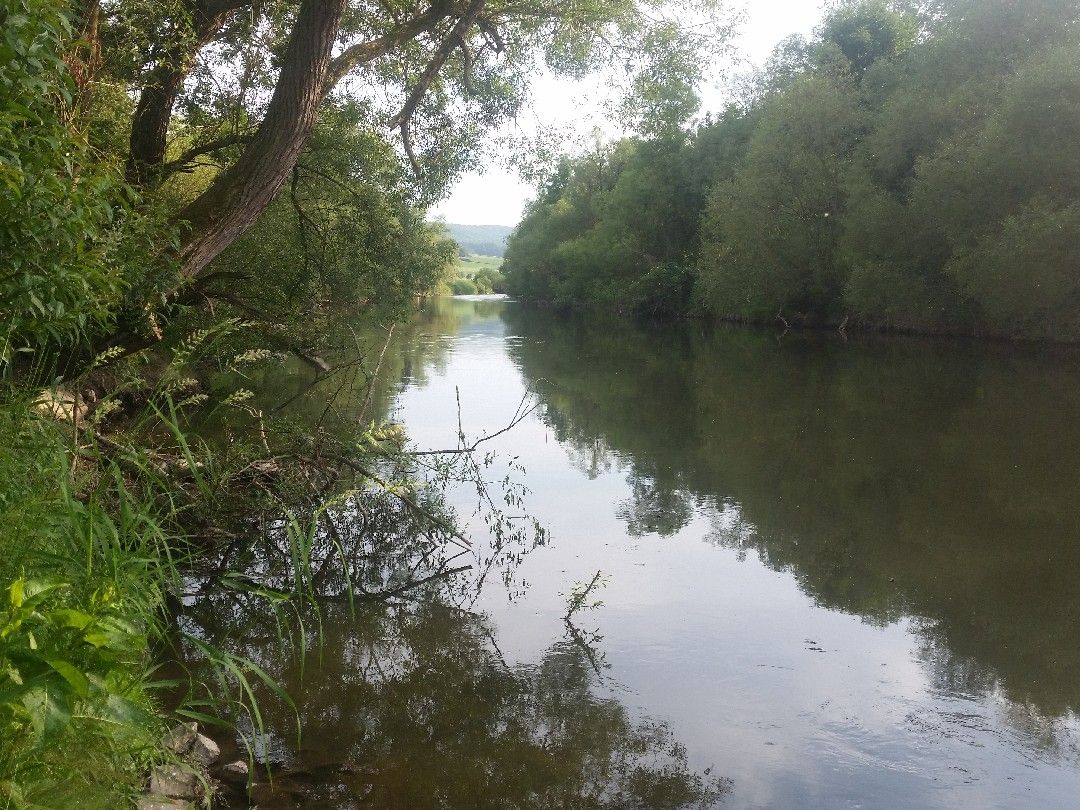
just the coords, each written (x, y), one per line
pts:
(463, 286)
(82, 597)
(56, 279)
(1024, 274)
(345, 236)
(489, 281)
(770, 235)
(867, 31)
(607, 226)
(77, 244)
(912, 167)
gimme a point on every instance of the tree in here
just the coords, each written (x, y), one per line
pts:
(866, 32)
(913, 166)
(770, 236)
(243, 84)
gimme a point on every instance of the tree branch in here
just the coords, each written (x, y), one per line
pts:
(365, 52)
(442, 53)
(183, 162)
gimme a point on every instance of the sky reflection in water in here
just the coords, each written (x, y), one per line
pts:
(841, 573)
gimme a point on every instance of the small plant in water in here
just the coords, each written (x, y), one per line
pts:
(580, 598)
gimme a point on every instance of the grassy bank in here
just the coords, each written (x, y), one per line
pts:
(84, 565)
(154, 480)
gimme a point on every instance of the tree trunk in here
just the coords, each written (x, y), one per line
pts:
(154, 110)
(230, 206)
(150, 126)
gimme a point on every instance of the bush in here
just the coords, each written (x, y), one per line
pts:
(81, 597)
(490, 281)
(1024, 276)
(55, 211)
(463, 286)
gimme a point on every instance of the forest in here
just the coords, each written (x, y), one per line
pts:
(910, 167)
(195, 195)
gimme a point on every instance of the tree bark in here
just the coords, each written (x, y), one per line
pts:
(154, 110)
(236, 198)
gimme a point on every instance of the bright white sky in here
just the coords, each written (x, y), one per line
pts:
(497, 196)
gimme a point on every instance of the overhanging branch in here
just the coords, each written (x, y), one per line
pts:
(442, 53)
(364, 52)
(184, 162)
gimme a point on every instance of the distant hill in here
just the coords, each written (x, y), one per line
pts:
(480, 240)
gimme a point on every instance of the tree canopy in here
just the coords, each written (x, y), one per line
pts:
(912, 166)
(174, 129)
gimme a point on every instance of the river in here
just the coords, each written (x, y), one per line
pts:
(833, 573)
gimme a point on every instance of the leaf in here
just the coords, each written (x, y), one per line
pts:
(127, 713)
(28, 594)
(74, 619)
(203, 718)
(70, 674)
(49, 710)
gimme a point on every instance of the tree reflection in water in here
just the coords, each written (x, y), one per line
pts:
(901, 479)
(411, 705)
(408, 702)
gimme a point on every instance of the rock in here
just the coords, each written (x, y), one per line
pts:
(175, 782)
(181, 738)
(236, 770)
(163, 803)
(205, 751)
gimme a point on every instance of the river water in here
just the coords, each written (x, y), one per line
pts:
(833, 573)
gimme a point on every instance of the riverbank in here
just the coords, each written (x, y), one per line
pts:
(151, 483)
(86, 560)
(783, 324)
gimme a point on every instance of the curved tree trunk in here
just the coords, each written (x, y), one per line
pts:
(232, 203)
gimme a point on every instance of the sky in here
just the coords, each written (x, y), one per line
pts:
(496, 196)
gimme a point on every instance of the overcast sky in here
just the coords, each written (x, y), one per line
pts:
(497, 196)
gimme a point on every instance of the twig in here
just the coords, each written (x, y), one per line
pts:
(375, 373)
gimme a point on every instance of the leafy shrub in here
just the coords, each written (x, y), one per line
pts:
(54, 210)
(81, 599)
(463, 286)
(489, 281)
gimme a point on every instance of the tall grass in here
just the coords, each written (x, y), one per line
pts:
(105, 517)
(99, 525)
(83, 566)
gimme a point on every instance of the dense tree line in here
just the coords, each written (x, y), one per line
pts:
(156, 158)
(913, 166)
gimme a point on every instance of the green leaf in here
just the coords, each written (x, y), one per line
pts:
(48, 709)
(70, 674)
(28, 594)
(74, 619)
(127, 713)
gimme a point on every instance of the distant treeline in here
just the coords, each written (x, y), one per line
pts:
(479, 240)
(914, 166)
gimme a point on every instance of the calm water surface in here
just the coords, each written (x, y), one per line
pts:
(838, 574)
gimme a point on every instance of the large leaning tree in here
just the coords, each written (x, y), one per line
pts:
(241, 83)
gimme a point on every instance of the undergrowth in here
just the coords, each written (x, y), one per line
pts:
(83, 564)
(128, 487)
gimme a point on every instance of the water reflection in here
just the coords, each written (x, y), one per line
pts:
(413, 706)
(893, 478)
(887, 486)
